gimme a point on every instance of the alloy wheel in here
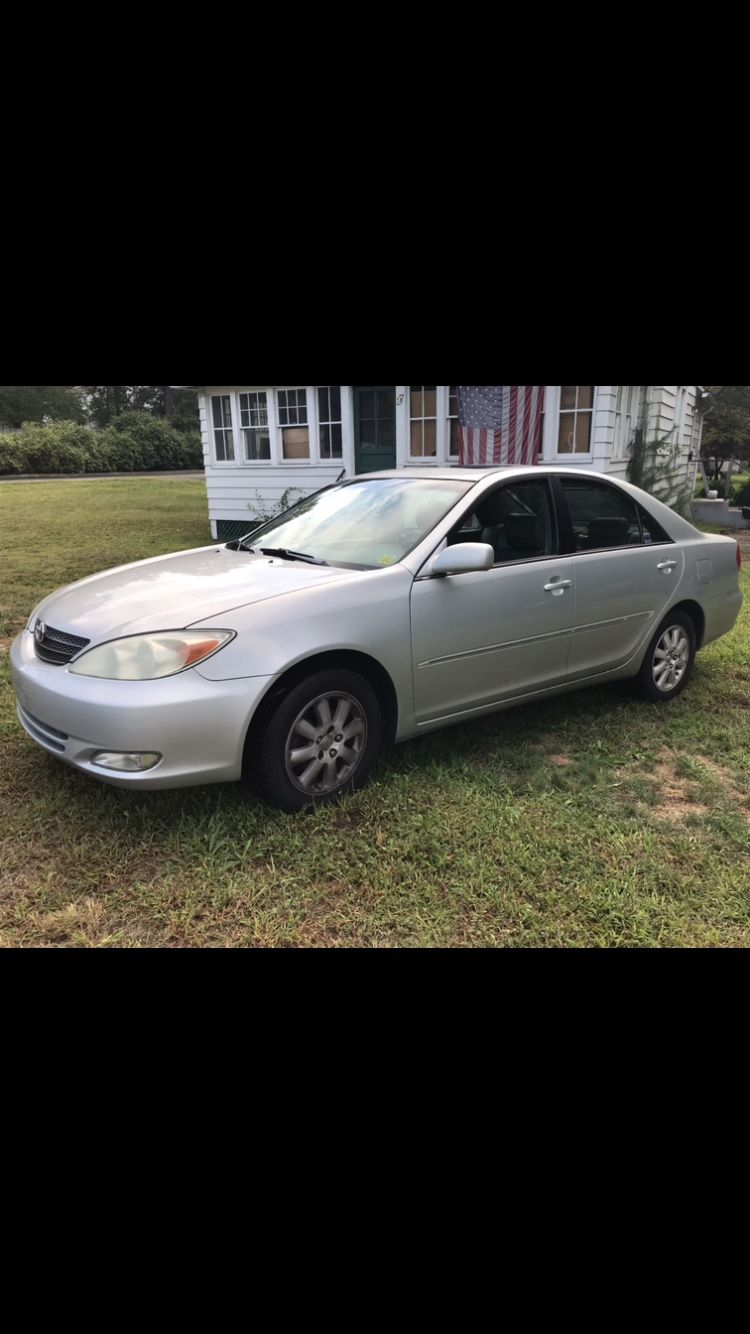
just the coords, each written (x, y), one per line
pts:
(671, 658)
(325, 743)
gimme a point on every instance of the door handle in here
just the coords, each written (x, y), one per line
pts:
(557, 586)
(666, 564)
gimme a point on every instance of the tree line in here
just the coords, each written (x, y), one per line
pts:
(726, 429)
(95, 405)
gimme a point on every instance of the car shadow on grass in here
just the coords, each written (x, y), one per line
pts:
(527, 745)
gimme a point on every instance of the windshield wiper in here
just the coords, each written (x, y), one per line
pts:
(286, 554)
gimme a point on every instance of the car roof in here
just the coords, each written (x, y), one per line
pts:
(480, 474)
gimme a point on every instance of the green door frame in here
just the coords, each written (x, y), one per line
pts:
(378, 449)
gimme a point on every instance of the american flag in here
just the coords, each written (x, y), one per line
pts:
(499, 424)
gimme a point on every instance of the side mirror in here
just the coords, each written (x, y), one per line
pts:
(465, 558)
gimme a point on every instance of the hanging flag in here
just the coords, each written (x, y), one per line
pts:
(499, 424)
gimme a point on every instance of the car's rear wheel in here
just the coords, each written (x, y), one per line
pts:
(669, 660)
(321, 741)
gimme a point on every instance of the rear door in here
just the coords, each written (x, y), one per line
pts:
(626, 572)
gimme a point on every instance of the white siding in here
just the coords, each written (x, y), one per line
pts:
(683, 436)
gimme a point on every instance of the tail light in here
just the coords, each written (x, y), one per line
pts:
(739, 556)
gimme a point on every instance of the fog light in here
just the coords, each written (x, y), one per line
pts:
(132, 761)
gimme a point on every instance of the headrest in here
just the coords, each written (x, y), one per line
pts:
(493, 509)
(609, 532)
(525, 532)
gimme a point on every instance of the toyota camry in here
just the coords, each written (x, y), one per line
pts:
(375, 610)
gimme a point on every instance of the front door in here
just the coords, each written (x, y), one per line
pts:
(374, 427)
(484, 637)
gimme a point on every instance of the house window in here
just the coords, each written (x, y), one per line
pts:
(679, 409)
(576, 417)
(622, 412)
(254, 426)
(626, 418)
(423, 421)
(329, 421)
(223, 435)
(292, 419)
(452, 428)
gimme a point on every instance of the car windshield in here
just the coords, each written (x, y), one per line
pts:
(364, 524)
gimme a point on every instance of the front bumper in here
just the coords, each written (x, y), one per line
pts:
(197, 725)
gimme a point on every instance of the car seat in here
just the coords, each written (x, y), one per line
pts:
(492, 515)
(608, 532)
(526, 537)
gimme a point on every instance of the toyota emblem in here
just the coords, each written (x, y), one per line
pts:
(40, 631)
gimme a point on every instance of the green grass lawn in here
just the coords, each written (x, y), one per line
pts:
(591, 819)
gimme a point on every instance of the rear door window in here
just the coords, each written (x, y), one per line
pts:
(600, 515)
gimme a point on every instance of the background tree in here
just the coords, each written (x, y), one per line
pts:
(726, 431)
(21, 403)
(179, 406)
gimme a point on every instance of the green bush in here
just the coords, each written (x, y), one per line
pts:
(139, 442)
(133, 442)
(58, 447)
(11, 454)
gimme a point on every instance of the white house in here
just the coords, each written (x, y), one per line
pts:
(266, 446)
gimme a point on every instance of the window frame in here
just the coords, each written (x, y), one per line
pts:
(320, 422)
(628, 410)
(277, 460)
(506, 485)
(574, 412)
(680, 412)
(255, 463)
(311, 425)
(423, 419)
(449, 418)
(566, 531)
(223, 463)
(442, 457)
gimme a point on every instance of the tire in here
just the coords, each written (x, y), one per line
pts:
(321, 742)
(669, 659)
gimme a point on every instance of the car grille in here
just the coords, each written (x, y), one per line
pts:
(57, 646)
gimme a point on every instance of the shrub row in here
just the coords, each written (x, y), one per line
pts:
(133, 442)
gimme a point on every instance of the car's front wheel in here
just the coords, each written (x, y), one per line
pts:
(321, 741)
(669, 660)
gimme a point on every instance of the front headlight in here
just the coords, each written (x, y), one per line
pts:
(147, 657)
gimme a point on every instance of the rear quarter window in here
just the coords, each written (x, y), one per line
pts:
(652, 531)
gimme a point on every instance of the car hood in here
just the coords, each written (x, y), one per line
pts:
(171, 592)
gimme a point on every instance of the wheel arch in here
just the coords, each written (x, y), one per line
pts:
(373, 671)
(697, 615)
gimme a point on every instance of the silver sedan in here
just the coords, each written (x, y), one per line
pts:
(375, 610)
